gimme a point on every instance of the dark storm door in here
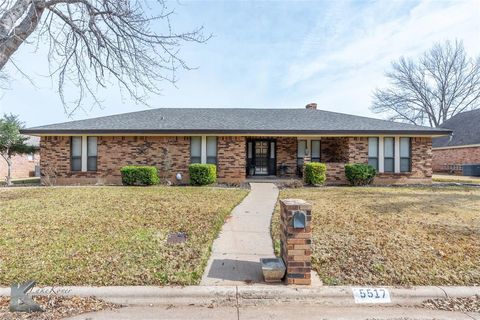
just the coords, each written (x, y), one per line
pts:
(263, 158)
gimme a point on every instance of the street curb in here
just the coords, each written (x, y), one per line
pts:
(252, 295)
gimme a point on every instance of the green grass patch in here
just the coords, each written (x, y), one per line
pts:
(27, 181)
(393, 236)
(109, 235)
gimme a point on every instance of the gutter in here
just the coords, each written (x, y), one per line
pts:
(457, 147)
(42, 132)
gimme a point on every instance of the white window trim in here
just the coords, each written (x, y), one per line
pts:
(203, 149)
(203, 154)
(84, 154)
(381, 156)
(397, 155)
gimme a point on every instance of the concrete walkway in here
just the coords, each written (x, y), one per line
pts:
(245, 238)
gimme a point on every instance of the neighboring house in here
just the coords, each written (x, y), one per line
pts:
(243, 143)
(23, 165)
(463, 147)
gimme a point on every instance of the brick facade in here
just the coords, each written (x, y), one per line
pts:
(287, 155)
(336, 152)
(171, 155)
(334, 149)
(336, 173)
(22, 166)
(231, 160)
(442, 158)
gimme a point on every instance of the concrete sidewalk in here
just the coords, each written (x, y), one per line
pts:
(304, 312)
(245, 238)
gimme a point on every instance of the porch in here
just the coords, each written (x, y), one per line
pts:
(282, 158)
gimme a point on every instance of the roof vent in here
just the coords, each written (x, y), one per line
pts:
(311, 106)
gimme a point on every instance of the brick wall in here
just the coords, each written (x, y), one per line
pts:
(55, 157)
(335, 152)
(22, 167)
(172, 155)
(231, 159)
(334, 149)
(287, 155)
(336, 173)
(358, 150)
(454, 156)
(169, 154)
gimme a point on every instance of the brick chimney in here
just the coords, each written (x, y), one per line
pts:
(311, 106)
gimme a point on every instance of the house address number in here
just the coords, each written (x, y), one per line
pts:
(371, 295)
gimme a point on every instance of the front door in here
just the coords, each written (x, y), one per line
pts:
(261, 157)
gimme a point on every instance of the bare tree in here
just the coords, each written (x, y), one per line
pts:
(91, 42)
(442, 83)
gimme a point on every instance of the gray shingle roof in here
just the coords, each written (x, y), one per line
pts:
(466, 130)
(234, 121)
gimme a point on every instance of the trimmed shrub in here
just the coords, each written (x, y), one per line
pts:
(360, 174)
(314, 173)
(139, 176)
(202, 174)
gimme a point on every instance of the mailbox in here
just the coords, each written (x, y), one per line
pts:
(299, 220)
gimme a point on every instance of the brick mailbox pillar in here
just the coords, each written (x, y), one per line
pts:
(296, 239)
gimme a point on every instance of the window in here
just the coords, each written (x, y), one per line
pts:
(373, 152)
(405, 155)
(91, 153)
(76, 154)
(389, 154)
(301, 150)
(212, 150)
(315, 149)
(203, 150)
(196, 150)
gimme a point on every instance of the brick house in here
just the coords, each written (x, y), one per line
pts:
(243, 143)
(23, 165)
(462, 147)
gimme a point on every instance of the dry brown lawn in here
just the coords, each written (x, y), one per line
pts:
(109, 235)
(394, 236)
(446, 178)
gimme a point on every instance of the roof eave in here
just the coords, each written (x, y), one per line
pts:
(432, 133)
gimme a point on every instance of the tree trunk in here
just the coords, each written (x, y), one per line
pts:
(10, 40)
(9, 171)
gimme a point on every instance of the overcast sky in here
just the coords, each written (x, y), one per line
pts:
(272, 54)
